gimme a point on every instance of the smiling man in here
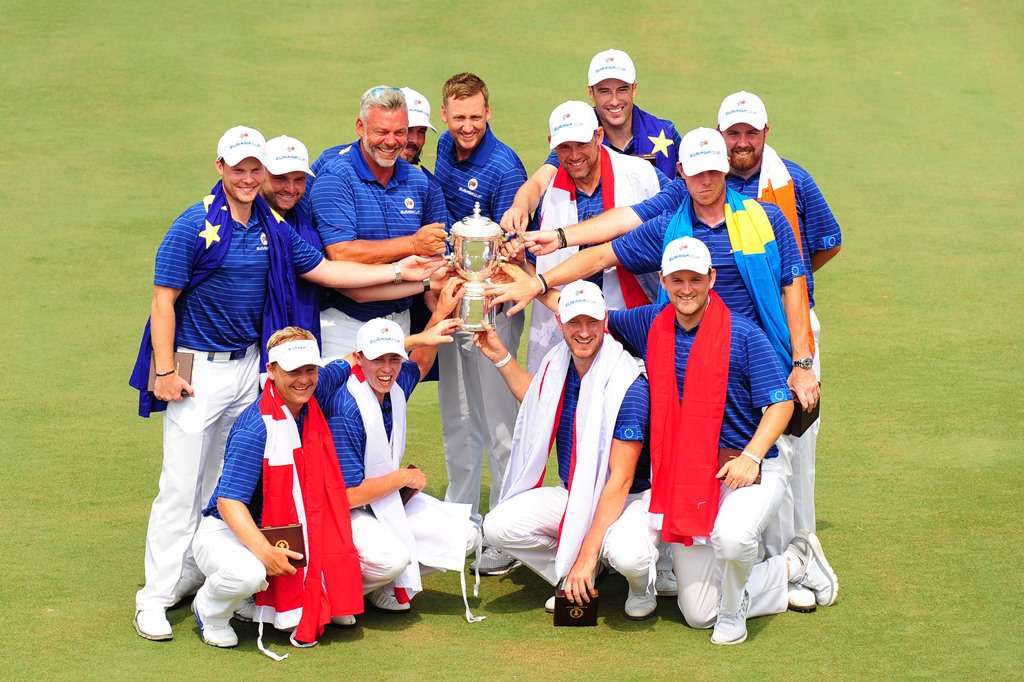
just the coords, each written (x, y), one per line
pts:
(224, 281)
(628, 129)
(477, 413)
(589, 397)
(718, 404)
(398, 540)
(372, 206)
(279, 444)
(756, 170)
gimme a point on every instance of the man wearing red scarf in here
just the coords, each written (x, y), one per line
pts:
(711, 374)
(280, 468)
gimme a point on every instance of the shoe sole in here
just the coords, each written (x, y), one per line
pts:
(501, 571)
(819, 556)
(667, 593)
(741, 640)
(643, 617)
(803, 609)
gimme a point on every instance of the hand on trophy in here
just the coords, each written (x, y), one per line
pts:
(513, 250)
(429, 240)
(489, 343)
(418, 268)
(515, 219)
(541, 242)
(443, 302)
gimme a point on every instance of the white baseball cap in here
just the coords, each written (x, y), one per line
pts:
(286, 154)
(611, 64)
(379, 337)
(418, 107)
(294, 354)
(581, 298)
(686, 253)
(703, 149)
(572, 121)
(240, 143)
(742, 107)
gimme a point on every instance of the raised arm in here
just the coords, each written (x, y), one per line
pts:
(516, 378)
(427, 241)
(423, 346)
(601, 228)
(517, 217)
(346, 274)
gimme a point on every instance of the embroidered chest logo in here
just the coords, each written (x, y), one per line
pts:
(263, 238)
(409, 203)
(472, 184)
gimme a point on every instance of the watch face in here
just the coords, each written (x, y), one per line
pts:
(804, 363)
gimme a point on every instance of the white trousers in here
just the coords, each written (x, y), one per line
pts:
(526, 526)
(338, 331)
(233, 573)
(383, 556)
(195, 430)
(713, 576)
(798, 457)
(478, 414)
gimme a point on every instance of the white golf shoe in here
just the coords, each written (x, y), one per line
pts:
(814, 573)
(152, 624)
(665, 583)
(221, 636)
(640, 606)
(731, 628)
(384, 599)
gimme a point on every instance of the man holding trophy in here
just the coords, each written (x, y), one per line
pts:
(477, 413)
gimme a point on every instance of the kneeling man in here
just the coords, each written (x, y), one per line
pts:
(589, 397)
(280, 468)
(712, 373)
(397, 542)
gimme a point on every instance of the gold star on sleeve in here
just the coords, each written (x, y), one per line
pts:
(210, 233)
(661, 143)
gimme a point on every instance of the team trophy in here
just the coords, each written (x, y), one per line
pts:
(474, 242)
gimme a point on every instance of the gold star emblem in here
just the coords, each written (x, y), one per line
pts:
(661, 143)
(210, 233)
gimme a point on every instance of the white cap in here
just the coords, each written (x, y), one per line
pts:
(686, 253)
(581, 298)
(379, 337)
(294, 354)
(742, 107)
(418, 107)
(703, 149)
(611, 64)
(286, 154)
(241, 143)
(572, 121)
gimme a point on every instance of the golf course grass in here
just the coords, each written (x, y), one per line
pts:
(908, 116)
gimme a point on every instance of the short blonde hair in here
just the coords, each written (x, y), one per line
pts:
(463, 85)
(289, 334)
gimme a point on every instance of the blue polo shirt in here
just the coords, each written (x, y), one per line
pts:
(348, 203)
(347, 424)
(327, 155)
(225, 312)
(243, 454)
(755, 379)
(491, 175)
(630, 425)
(640, 251)
(819, 230)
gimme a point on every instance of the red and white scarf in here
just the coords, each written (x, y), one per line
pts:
(685, 434)
(602, 389)
(625, 180)
(302, 483)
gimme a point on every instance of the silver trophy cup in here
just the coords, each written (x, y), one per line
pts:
(474, 241)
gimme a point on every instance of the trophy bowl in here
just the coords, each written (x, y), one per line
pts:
(475, 242)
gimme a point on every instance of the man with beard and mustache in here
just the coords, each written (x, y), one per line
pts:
(372, 206)
(589, 397)
(628, 129)
(477, 413)
(224, 279)
(757, 171)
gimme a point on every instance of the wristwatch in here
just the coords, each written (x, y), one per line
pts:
(804, 363)
(426, 285)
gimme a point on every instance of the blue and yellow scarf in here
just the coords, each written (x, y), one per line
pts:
(757, 257)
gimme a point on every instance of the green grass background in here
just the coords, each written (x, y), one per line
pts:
(908, 114)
